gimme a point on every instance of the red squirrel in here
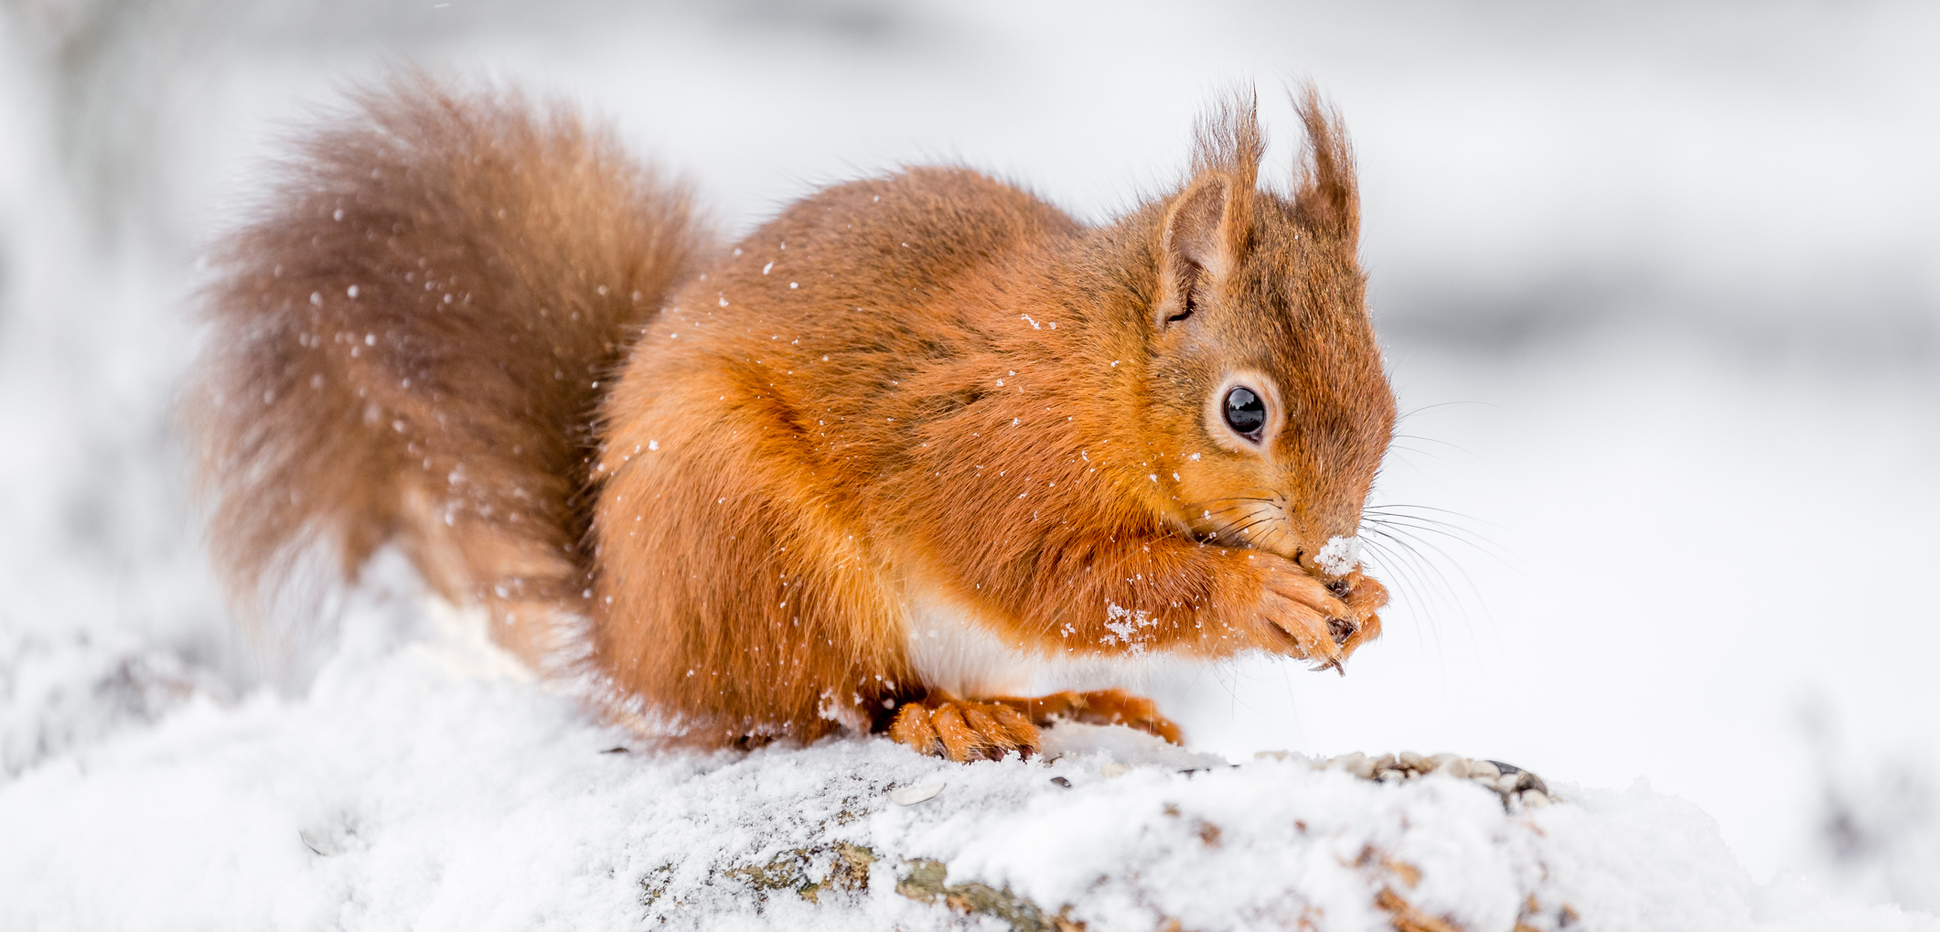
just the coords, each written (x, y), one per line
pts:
(869, 467)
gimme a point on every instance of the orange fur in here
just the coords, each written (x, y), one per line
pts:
(926, 384)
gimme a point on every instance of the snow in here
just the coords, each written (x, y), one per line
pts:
(418, 781)
(1340, 555)
(414, 779)
(1659, 294)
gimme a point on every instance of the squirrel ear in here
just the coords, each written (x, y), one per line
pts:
(1195, 247)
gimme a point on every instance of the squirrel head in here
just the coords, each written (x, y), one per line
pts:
(1267, 394)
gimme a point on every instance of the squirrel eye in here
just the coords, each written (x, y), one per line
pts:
(1245, 412)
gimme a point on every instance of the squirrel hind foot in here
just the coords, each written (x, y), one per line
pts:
(963, 730)
(1099, 707)
(966, 730)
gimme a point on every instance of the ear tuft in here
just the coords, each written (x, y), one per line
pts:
(1228, 140)
(1209, 225)
(1326, 197)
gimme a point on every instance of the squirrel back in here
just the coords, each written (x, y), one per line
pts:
(408, 344)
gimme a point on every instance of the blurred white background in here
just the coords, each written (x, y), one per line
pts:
(1659, 284)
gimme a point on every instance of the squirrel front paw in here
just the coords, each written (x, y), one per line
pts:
(1364, 596)
(1304, 616)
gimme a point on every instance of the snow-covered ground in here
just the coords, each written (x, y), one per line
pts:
(402, 789)
(1660, 283)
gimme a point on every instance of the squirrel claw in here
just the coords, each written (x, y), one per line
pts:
(1341, 629)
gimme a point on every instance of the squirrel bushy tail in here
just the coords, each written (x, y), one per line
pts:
(408, 344)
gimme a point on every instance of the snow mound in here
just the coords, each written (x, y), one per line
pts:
(416, 784)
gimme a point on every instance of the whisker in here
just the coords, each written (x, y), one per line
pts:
(1279, 532)
(1419, 518)
(1409, 589)
(1406, 524)
(1234, 498)
(1256, 522)
(1427, 526)
(1399, 532)
(1432, 570)
(1445, 404)
(1424, 577)
(1467, 580)
(1235, 506)
(1419, 452)
(1403, 506)
(1399, 562)
(1426, 439)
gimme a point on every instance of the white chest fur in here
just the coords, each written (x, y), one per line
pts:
(953, 650)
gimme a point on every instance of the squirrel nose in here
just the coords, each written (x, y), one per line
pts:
(1310, 558)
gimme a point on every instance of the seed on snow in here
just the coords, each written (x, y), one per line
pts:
(911, 795)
